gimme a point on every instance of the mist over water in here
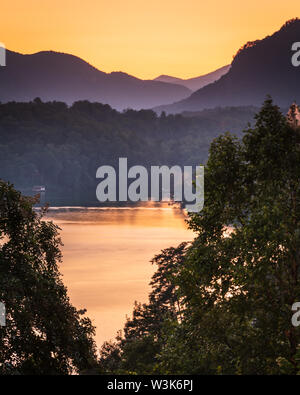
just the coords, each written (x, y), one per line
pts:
(106, 256)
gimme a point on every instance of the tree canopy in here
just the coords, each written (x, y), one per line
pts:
(237, 281)
(44, 333)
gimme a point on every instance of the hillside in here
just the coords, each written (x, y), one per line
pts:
(58, 76)
(61, 147)
(197, 82)
(259, 68)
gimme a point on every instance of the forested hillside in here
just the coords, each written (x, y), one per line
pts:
(61, 147)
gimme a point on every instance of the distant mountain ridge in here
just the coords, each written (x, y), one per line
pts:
(196, 82)
(63, 77)
(259, 68)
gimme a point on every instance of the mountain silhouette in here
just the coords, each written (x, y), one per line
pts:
(197, 82)
(259, 68)
(58, 76)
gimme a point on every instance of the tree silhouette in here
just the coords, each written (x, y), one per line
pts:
(44, 333)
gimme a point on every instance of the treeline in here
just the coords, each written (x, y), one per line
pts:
(61, 147)
(223, 303)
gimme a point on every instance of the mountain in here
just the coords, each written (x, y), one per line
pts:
(62, 77)
(197, 82)
(259, 68)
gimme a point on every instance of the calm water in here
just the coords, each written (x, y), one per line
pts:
(106, 258)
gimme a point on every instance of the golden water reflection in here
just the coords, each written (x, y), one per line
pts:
(106, 258)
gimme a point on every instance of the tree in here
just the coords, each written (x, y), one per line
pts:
(222, 304)
(44, 333)
(239, 287)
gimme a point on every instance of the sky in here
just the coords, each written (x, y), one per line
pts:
(141, 37)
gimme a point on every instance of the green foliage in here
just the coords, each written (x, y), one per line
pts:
(250, 277)
(237, 281)
(44, 333)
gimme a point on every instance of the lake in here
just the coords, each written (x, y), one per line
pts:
(106, 257)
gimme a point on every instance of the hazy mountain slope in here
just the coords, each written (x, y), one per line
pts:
(197, 82)
(259, 68)
(63, 77)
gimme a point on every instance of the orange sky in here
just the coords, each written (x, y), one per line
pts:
(143, 38)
